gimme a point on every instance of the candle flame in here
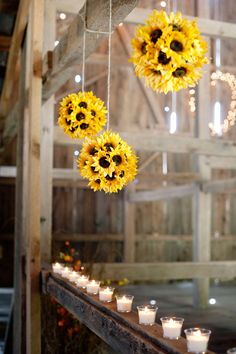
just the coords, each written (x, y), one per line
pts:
(171, 321)
(197, 333)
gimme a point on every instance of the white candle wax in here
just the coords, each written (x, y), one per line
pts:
(73, 276)
(82, 281)
(124, 303)
(65, 272)
(57, 268)
(105, 294)
(197, 343)
(146, 315)
(92, 287)
(171, 329)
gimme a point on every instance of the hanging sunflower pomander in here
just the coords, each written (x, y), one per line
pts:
(108, 162)
(82, 115)
(168, 52)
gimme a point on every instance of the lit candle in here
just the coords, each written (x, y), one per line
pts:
(92, 287)
(73, 276)
(65, 272)
(57, 267)
(82, 281)
(171, 327)
(105, 294)
(197, 339)
(124, 303)
(147, 314)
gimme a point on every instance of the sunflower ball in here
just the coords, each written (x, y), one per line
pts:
(82, 115)
(168, 52)
(108, 162)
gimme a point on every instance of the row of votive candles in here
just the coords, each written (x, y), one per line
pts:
(197, 338)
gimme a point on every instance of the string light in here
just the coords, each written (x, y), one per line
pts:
(230, 120)
(163, 4)
(62, 16)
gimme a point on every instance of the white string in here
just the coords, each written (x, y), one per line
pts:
(109, 56)
(109, 66)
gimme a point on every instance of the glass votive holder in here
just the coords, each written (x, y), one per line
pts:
(171, 327)
(65, 272)
(197, 339)
(57, 268)
(124, 303)
(106, 293)
(73, 276)
(231, 350)
(82, 281)
(93, 287)
(147, 314)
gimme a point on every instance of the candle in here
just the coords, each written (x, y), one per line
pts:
(124, 303)
(197, 339)
(73, 276)
(105, 294)
(57, 267)
(82, 281)
(65, 272)
(92, 287)
(171, 327)
(231, 351)
(147, 314)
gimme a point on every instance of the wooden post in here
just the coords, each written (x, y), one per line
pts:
(129, 226)
(202, 201)
(46, 156)
(33, 313)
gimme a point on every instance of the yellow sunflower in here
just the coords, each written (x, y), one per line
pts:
(82, 115)
(108, 162)
(164, 45)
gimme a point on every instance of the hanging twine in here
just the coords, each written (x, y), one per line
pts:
(109, 33)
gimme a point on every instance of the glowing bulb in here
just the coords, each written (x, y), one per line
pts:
(166, 109)
(77, 78)
(62, 16)
(163, 4)
(192, 92)
(121, 24)
(76, 153)
(56, 43)
(212, 301)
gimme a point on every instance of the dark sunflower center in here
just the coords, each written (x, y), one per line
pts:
(68, 121)
(117, 159)
(93, 151)
(84, 126)
(122, 174)
(162, 58)
(155, 35)
(109, 146)
(179, 72)
(83, 104)
(110, 178)
(157, 72)
(176, 46)
(70, 110)
(68, 103)
(93, 113)
(176, 28)
(93, 169)
(72, 129)
(103, 162)
(143, 48)
(80, 116)
(98, 181)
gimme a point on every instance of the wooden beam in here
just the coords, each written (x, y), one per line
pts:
(150, 140)
(227, 163)
(220, 186)
(69, 6)
(69, 50)
(162, 194)
(165, 270)
(33, 259)
(207, 27)
(5, 42)
(20, 24)
(108, 324)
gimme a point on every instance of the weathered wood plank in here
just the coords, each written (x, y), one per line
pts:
(129, 226)
(121, 331)
(219, 186)
(165, 271)
(162, 193)
(207, 27)
(69, 50)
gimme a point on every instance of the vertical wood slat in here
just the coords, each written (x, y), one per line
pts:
(129, 226)
(46, 153)
(202, 206)
(33, 321)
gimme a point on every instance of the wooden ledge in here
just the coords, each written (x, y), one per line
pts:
(121, 331)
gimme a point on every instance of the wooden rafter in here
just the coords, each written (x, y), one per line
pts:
(5, 42)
